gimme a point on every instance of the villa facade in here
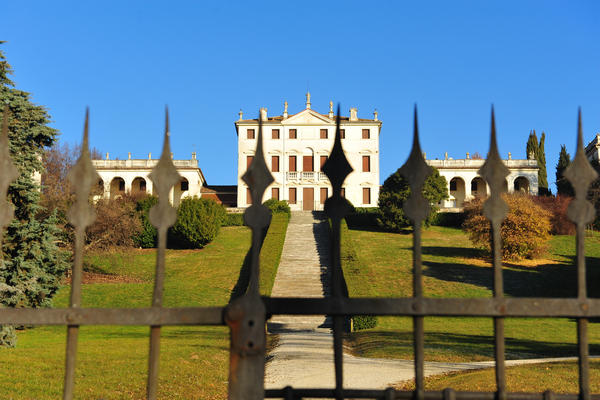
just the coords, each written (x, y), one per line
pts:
(465, 183)
(297, 145)
(131, 176)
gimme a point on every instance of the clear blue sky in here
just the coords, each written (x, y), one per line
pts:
(536, 61)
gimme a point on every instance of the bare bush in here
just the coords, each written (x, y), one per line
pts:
(524, 232)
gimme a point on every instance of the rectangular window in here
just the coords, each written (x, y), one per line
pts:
(275, 193)
(366, 164)
(323, 160)
(249, 161)
(307, 163)
(323, 195)
(248, 196)
(185, 185)
(342, 134)
(323, 133)
(250, 133)
(366, 195)
(366, 134)
(292, 166)
(275, 134)
(275, 163)
(293, 134)
(292, 198)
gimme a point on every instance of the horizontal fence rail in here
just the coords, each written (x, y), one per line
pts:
(246, 316)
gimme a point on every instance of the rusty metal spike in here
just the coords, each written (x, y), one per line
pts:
(581, 174)
(416, 171)
(494, 172)
(337, 168)
(258, 178)
(82, 177)
(164, 176)
(8, 174)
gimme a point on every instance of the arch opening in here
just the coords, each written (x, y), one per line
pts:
(521, 184)
(478, 187)
(457, 191)
(117, 188)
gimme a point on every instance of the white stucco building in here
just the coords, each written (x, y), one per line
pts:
(131, 176)
(297, 145)
(592, 150)
(465, 183)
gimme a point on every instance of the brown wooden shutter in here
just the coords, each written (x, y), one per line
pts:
(323, 160)
(323, 195)
(366, 163)
(293, 134)
(307, 163)
(275, 163)
(250, 133)
(342, 134)
(275, 193)
(366, 134)
(249, 161)
(292, 197)
(292, 166)
(248, 196)
(366, 195)
(323, 133)
(275, 134)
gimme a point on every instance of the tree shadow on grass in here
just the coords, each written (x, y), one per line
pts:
(543, 280)
(448, 345)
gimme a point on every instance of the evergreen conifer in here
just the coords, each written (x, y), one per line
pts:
(32, 265)
(563, 187)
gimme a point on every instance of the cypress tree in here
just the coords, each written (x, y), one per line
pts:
(563, 186)
(542, 174)
(32, 265)
(532, 145)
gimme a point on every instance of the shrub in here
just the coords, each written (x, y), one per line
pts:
(278, 206)
(198, 223)
(524, 231)
(116, 225)
(395, 191)
(147, 238)
(363, 218)
(232, 219)
(450, 219)
(557, 206)
(361, 322)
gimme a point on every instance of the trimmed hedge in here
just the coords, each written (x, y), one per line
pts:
(198, 223)
(278, 206)
(361, 322)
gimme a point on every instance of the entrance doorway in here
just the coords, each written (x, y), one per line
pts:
(308, 199)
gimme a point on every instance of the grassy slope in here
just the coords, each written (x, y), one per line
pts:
(559, 377)
(379, 264)
(112, 361)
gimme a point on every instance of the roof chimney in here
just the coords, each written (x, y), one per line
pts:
(331, 109)
(375, 114)
(285, 113)
(353, 114)
(263, 113)
(241, 114)
(308, 100)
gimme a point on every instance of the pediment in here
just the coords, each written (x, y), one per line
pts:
(307, 117)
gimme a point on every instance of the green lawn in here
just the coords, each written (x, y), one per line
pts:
(112, 361)
(380, 264)
(560, 377)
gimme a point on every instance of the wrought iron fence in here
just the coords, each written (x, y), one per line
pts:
(246, 316)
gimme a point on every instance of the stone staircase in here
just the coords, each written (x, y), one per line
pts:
(303, 270)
